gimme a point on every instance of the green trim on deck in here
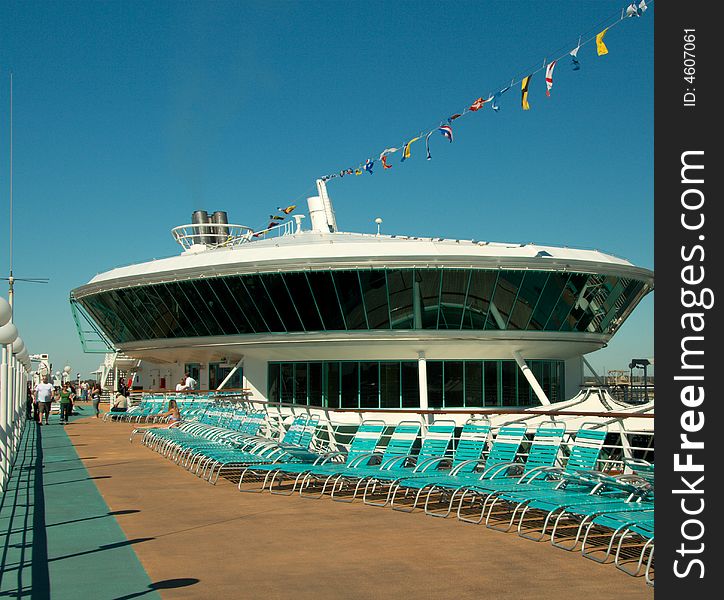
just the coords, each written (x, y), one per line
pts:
(58, 538)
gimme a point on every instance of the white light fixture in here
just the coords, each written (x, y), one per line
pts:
(378, 221)
(18, 345)
(8, 333)
(5, 311)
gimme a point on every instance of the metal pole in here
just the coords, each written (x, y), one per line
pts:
(540, 394)
(231, 373)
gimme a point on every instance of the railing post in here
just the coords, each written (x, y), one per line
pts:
(4, 437)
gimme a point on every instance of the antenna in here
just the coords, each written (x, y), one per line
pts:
(10, 279)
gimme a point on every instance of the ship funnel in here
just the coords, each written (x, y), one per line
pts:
(220, 219)
(201, 234)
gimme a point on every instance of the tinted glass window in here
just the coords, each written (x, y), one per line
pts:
(350, 384)
(350, 296)
(303, 300)
(369, 385)
(474, 383)
(453, 372)
(434, 384)
(428, 284)
(331, 379)
(326, 296)
(257, 291)
(506, 293)
(277, 291)
(528, 295)
(374, 288)
(399, 284)
(452, 298)
(300, 383)
(410, 385)
(390, 385)
(315, 384)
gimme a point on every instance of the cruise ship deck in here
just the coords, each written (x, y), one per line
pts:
(89, 515)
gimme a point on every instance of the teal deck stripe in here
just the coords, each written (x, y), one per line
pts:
(57, 538)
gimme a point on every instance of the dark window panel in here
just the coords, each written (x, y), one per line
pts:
(331, 380)
(369, 385)
(548, 299)
(165, 313)
(410, 384)
(474, 384)
(326, 298)
(434, 384)
(195, 321)
(315, 384)
(298, 287)
(574, 289)
(184, 323)
(374, 289)
(508, 382)
(400, 290)
(528, 295)
(277, 291)
(429, 286)
(215, 307)
(150, 310)
(273, 382)
(453, 374)
(300, 383)
(99, 307)
(350, 384)
(232, 308)
(481, 288)
(133, 326)
(566, 298)
(505, 294)
(135, 308)
(492, 383)
(287, 383)
(390, 385)
(257, 291)
(246, 304)
(351, 300)
(452, 298)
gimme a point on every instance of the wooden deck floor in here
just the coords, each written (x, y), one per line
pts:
(213, 541)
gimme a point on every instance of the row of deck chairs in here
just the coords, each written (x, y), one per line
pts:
(609, 518)
(152, 406)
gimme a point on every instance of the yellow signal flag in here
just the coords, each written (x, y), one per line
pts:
(600, 46)
(524, 89)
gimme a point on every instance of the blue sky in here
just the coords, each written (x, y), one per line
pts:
(130, 115)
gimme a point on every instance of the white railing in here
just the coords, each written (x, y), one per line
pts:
(211, 235)
(222, 235)
(14, 377)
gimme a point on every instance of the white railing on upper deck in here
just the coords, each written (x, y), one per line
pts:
(223, 235)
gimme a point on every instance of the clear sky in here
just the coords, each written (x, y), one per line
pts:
(130, 115)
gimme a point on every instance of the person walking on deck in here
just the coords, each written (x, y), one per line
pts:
(96, 397)
(43, 398)
(66, 403)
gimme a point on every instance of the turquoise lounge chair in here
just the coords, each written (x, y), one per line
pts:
(363, 443)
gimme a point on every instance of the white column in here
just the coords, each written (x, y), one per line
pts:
(231, 373)
(4, 438)
(422, 379)
(537, 389)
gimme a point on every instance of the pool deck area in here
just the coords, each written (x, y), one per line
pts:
(89, 515)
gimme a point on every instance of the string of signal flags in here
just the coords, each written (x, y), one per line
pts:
(445, 128)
